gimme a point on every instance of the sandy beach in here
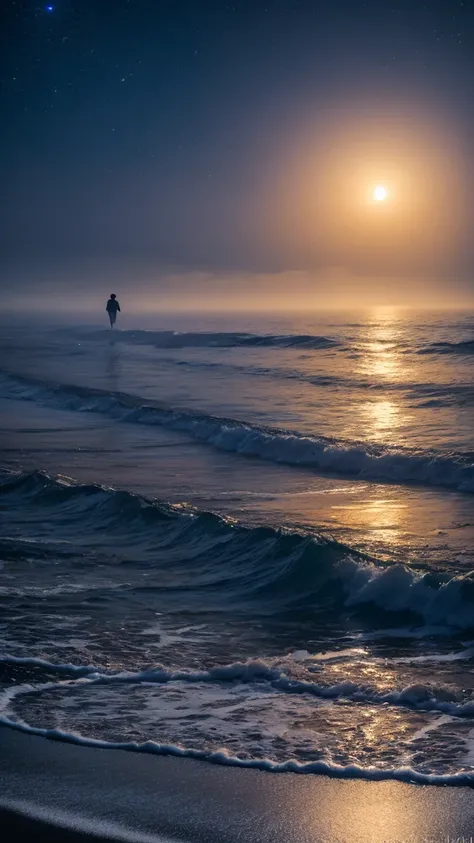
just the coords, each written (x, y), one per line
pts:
(53, 791)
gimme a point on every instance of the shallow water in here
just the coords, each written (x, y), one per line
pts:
(324, 617)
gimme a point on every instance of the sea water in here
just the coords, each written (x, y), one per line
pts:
(247, 539)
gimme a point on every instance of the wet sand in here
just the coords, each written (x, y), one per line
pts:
(58, 792)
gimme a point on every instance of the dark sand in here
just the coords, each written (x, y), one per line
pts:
(53, 791)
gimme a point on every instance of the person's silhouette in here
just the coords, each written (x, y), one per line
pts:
(112, 309)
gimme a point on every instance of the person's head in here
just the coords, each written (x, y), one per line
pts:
(113, 296)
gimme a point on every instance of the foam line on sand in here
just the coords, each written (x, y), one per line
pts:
(83, 793)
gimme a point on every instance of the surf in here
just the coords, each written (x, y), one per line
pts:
(215, 559)
(453, 470)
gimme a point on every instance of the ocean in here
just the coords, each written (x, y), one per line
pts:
(246, 539)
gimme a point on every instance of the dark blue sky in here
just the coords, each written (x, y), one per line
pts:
(150, 134)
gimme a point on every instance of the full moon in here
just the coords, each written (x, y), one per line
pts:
(379, 193)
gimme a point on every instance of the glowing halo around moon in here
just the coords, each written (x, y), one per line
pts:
(379, 193)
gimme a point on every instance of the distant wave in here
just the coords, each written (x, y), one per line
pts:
(278, 569)
(464, 347)
(357, 459)
(420, 394)
(214, 339)
(239, 339)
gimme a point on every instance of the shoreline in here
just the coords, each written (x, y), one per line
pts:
(55, 791)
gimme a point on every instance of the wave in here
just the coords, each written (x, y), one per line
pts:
(239, 339)
(224, 757)
(420, 394)
(357, 459)
(421, 698)
(418, 697)
(216, 558)
(214, 339)
(463, 347)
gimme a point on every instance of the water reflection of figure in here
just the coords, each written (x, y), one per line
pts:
(113, 365)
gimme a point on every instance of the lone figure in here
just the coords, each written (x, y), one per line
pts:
(112, 309)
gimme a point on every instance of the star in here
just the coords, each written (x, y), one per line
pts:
(49, 8)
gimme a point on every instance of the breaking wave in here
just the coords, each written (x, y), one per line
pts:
(218, 559)
(397, 465)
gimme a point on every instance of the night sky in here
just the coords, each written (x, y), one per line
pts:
(158, 136)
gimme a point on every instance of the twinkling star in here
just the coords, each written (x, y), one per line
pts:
(49, 8)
